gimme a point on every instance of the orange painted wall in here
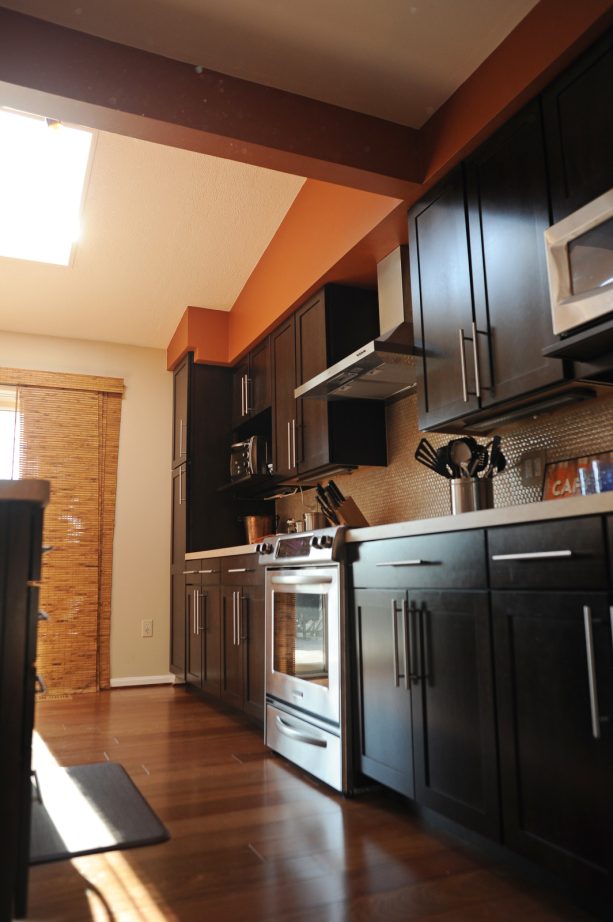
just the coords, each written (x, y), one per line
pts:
(333, 233)
(552, 34)
(324, 222)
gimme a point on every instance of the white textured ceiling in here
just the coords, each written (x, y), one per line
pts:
(165, 228)
(162, 229)
(396, 59)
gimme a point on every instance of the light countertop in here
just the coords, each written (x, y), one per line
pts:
(598, 503)
(32, 491)
(573, 506)
(222, 552)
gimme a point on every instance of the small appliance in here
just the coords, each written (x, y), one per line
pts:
(248, 458)
(579, 253)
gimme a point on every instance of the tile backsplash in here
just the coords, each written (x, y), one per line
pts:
(406, 490)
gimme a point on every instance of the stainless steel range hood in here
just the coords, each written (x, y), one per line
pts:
(385, 367)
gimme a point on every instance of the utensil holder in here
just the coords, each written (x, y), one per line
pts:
(471, 493)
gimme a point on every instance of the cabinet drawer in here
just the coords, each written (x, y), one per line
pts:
(242, 570)
(454, 560)
(206, 571)
(565, 554)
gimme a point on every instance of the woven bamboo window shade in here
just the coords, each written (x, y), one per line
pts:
(68, 429)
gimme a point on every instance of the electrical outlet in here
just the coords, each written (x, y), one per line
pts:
(146, 628)
(532, 467)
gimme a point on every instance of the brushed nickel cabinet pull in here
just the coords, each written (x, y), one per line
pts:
(591, 671)
(533, 555)
(237, 570)
(395, 644)
(206, 571)
(407, 645)
(463, 367)
(476, 359)
(294, 441)
(403, 563)
(289, 446)
(190, 572)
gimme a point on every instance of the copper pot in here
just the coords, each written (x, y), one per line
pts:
(256, 526)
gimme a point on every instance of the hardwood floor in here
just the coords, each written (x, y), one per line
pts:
(252, 838)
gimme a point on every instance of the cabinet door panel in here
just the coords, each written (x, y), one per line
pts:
(240, 377)
(508, 215)
(210, 632)
(556, 776)
(284, 383)
(252, 640)
(231, 659)
(258, 390)
(386, 751)
(442, 301)
(193, 670)
(180, 404)
(454, 734)
(579, 125)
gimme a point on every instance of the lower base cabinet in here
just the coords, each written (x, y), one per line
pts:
(426, 703)
(224, 630)
(554, 674)
(242, 638)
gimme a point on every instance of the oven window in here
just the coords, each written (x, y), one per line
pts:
(301, 635)
(590, 259)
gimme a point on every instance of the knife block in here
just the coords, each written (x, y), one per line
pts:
(349, 514)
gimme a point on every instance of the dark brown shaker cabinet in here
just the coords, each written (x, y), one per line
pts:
(425, 700)
(242, 635)
(441, 294)
(202, 517)
(508, 213)
(251, 384)
(203, 624)
(554, 685)
(579, 128)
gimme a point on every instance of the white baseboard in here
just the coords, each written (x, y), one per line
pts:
(124, 681)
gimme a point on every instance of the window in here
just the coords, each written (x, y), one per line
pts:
(9, 434)
(43, 165)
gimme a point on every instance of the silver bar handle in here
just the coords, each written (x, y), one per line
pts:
(533, 555)
(289, 446)
(287, 730)
(395, 644)
(407, 645)
(463, 367)
(189, 572)
(235, 570)
(238, 617)
(294, 441)
(195, 610)
(242, 395)
(591, 671)
(476, 359)
(206, 571)
(403, 563)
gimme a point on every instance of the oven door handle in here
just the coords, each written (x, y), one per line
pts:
(299, 580)
(294, 734)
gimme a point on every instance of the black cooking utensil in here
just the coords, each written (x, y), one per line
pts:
(426, 449)
(334, 493)
(436, 463)
(479, 461)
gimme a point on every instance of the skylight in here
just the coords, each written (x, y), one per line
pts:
(43, 165)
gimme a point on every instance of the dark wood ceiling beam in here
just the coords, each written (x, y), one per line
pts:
(130, 91)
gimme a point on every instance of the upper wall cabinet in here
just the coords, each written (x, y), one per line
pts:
(311, 435)
(578, 111)
(508, 212)
(251, 391)
(479, 279)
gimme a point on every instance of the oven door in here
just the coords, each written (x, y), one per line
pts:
(303, 609)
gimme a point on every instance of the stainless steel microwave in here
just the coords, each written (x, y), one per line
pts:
(248, 458)
(579, 253)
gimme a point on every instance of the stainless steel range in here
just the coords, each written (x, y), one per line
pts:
(306, 689)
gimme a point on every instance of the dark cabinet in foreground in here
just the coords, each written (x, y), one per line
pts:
(554, 678)
(242, 635)
(425, 681)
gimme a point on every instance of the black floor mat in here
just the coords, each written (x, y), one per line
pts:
(85, 809)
